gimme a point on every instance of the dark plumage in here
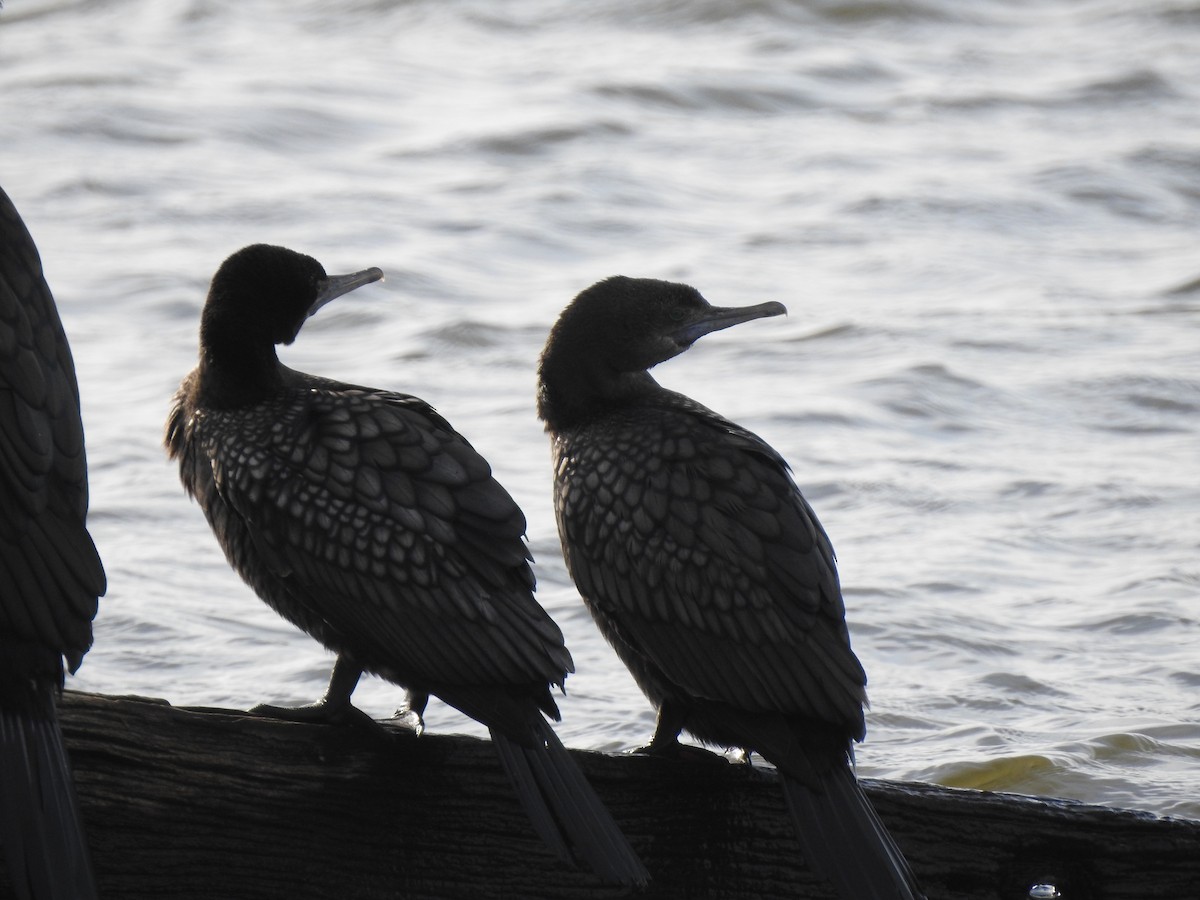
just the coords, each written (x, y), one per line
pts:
(50, 576)
(363, 518)
(706, 569)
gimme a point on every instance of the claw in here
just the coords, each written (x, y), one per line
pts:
(409, 718)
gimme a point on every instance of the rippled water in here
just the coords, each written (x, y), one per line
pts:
(983, 218)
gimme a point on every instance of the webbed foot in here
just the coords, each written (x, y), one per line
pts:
(676, 750)
(319, 713)
(665, 743)
(410, 715)
(410, 719)
(334, 708)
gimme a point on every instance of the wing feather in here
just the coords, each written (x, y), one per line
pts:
(723, 547)
(44, 544)
(385, 528)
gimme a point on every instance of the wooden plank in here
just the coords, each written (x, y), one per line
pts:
(188, 803)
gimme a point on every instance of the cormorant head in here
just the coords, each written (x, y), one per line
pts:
(264, 294)
(611, 333)
(636, 323)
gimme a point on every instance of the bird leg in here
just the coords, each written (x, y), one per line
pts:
(411, 714)
(665, 743)
(334, 708)
(666, 733)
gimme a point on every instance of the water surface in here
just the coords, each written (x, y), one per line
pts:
(982, 217)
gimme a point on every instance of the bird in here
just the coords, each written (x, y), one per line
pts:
(363, 518)
(51, 577)
(707, 570)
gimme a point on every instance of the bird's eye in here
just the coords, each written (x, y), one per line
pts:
(676, 314)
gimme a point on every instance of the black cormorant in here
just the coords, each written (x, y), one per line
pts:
(363, 518)
(707, 570)
(50, 576)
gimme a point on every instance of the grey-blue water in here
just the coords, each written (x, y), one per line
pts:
(984, 218)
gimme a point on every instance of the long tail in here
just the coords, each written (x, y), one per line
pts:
(844, 840)
(40, 829)
(565, 811)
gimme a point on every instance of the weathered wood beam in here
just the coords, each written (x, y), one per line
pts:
(188, 803)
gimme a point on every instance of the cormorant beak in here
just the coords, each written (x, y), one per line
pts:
(717, 317)
(333, 286)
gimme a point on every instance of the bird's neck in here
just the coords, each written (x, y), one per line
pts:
(574, 390)
(237, 373)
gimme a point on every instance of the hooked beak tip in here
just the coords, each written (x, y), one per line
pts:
(336, 285)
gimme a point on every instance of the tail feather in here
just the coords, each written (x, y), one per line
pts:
(844, 841)
(517, 766)
(40, 829)
(564, 809)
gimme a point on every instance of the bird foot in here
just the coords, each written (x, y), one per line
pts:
(319, 713)
(676, 750)
(406, 717)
